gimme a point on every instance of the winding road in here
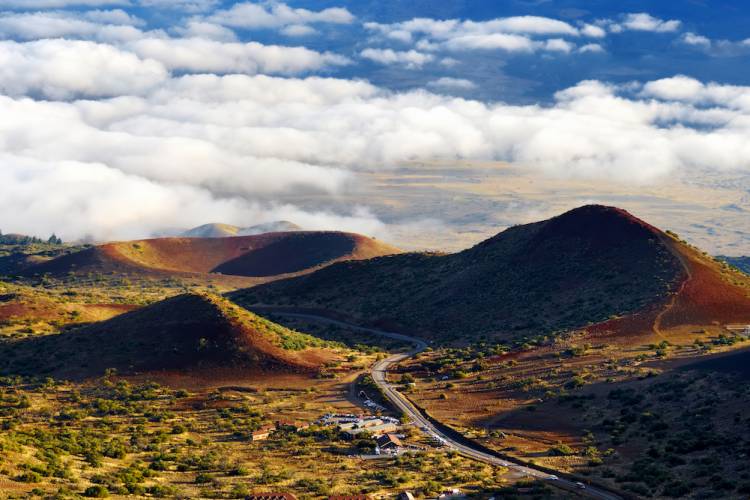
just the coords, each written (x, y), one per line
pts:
(379, 375)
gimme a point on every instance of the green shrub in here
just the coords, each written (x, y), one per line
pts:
(96, 491)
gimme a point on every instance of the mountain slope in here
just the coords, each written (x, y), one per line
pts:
(253, 256)
(579, 268)
(187, 332)
(213, 230)
(218, 230)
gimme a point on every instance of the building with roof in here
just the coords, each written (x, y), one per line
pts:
(262, 433)
(271, 496)
(375, 430)
(388, 442)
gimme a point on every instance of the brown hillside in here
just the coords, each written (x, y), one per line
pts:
(252, 256)
(708, 292)
(27, 307)
(188, 332)
(711, 293)
(579, 268)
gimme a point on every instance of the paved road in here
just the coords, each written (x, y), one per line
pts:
(379, 371)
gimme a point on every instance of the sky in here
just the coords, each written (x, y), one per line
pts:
(128, 118)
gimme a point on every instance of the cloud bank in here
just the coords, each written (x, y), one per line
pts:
(110, 129)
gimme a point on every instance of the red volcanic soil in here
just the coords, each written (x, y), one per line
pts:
(252, 256)
(707, 293)
(199, 333)
(599, 226)
(711, 292)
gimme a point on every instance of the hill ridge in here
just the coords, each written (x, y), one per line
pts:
(260, 256)
(192, 331)
(580, 268)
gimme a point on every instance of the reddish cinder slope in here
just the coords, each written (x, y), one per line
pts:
(710, 293)
(252, 256)
(190, 332)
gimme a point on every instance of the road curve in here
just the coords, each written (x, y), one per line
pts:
(379, 371)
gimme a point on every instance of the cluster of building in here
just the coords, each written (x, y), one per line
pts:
(265, 432)
(404, 495)
(352, 426)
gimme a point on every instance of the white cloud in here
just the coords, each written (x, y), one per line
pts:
(93, 201)
(40, 25)
(116, 16)
(511, 34)
(695, 39)
(559, 45)
(718, 47)
(679, 88)
(410, 59)
(60, 69)
(643, 21)
(524, 24)
(189, 6)
(687, 89)
(448, 83)
(451, 28)
(593, 31)
(298, 30)
(592, 48)
(209, 31)
(148, 141)
(250, 15)
(510, 43)
(54, 4)
(203, 55)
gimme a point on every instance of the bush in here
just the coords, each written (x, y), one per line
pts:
(96, 491)
(561, 450)
(162, 491)
(203, 478)
(29, 477)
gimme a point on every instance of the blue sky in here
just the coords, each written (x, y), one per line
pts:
(124, 118)
(521, 77)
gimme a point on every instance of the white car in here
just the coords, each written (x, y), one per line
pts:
(552, 477)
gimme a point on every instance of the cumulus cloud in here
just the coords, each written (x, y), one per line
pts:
(511, 43)
(593, 31)
(643, 21)
(593, 48)
(81, 200)
(203, 143)
(448, 83)
(410, 59)
(40, 25)
(116, 16)
(61, 69)
(249, 15)
(55, 4)
(202, 29)
(123, 131)
(695, 39)
(204, 55)
(189, 6)
(718, 47)
(450, 28)
(511, 34)
(298, 30)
